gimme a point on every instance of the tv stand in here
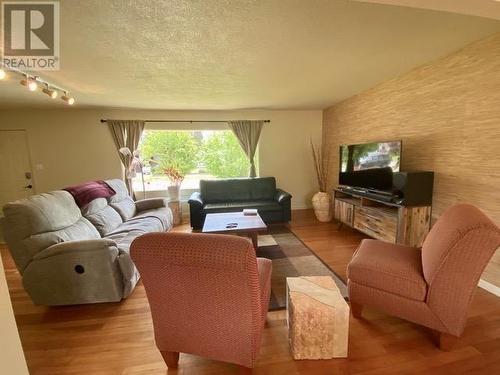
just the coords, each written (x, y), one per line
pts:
(381, 219)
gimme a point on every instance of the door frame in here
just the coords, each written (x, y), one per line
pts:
(28, 146)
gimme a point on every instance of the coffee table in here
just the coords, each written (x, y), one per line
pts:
(234, 222)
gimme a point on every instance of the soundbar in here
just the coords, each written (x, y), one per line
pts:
(380, 195)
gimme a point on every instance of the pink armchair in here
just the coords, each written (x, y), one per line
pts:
(208, 294)
(432, 286)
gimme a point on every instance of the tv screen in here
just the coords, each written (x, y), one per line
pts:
(369, 165)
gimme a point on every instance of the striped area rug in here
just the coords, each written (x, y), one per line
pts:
(291, 258)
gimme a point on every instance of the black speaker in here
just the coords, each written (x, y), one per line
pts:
(413, 188)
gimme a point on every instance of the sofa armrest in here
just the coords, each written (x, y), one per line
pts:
(76, 246)
(196, 214)
(282, 196)
(285, 201)
(150, 204)
(196, 199)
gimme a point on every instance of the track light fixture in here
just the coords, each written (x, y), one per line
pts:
(32, 83)
(52, 93)
(68, 99)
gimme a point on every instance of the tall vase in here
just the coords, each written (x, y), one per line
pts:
(322, 204)
(174, 193)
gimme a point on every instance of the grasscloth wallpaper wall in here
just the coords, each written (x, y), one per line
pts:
(448, 115)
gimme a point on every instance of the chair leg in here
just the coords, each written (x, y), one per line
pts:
(245, 370)
(444, 341)
(171, 359)
(356, 310)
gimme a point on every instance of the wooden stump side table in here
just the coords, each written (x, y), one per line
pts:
(317, 318)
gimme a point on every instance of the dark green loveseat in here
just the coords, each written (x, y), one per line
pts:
(232, 195)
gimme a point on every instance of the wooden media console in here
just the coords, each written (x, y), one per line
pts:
(406, 225)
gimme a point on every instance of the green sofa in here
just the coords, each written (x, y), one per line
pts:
(232, 195)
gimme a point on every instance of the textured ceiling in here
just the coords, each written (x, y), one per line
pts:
(482, 8)
(223, 54)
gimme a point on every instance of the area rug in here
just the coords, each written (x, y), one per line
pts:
(291, 258)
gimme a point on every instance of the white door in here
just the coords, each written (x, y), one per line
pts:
(15, 168)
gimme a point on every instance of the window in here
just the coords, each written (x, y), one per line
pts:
(198, 154)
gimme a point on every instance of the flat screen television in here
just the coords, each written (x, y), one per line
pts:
(369, 165)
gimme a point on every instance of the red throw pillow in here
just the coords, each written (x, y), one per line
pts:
(88, 191)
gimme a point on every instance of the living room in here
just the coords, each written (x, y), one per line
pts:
(282, 86)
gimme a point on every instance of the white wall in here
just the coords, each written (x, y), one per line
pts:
(12, 360)
(70, 145)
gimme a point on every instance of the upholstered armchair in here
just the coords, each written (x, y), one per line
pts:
(208, 294)
(432, 286)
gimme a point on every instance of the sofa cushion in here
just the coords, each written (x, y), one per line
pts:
(126, 208)
(261, 206)
(263, 188)
(134, 228)
(120, 189)
(163, 214)
(102, 216)
(238, 189)
(388, 267)
(41, 213)
(124, 239)
(40, 221)
(137, 226)
(228, 190)
(121, 201)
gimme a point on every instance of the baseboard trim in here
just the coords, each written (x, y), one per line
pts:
(300, 206)
(493, 289)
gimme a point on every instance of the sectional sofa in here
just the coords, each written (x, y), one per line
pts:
(67, 255)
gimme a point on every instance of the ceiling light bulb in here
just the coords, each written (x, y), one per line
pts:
(30, 83)
(49, 92)
(68, 99)
(2, 74)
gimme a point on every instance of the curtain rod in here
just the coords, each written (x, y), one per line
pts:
(186, 121)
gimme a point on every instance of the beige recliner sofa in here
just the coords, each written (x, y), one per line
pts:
(70, 256)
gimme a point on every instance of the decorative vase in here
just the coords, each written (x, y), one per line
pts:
(174, 193)
(322, 204)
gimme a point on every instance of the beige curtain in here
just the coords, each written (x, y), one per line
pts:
(248, 134)
(126, 133)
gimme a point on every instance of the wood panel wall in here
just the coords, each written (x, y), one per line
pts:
(448, 115)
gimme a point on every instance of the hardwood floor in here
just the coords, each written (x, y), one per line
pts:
(117, 338)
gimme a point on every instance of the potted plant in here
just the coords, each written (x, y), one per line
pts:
(176, 178)
(321, 201)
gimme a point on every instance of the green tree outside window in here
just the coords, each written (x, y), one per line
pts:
(217, 153)
(223, 156)
(171, 149)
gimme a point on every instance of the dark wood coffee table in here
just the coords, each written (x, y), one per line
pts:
(234, 222)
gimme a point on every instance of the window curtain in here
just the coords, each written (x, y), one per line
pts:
(248, 134)
(126, 133)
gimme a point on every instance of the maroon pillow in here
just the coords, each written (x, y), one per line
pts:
(88, 191)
